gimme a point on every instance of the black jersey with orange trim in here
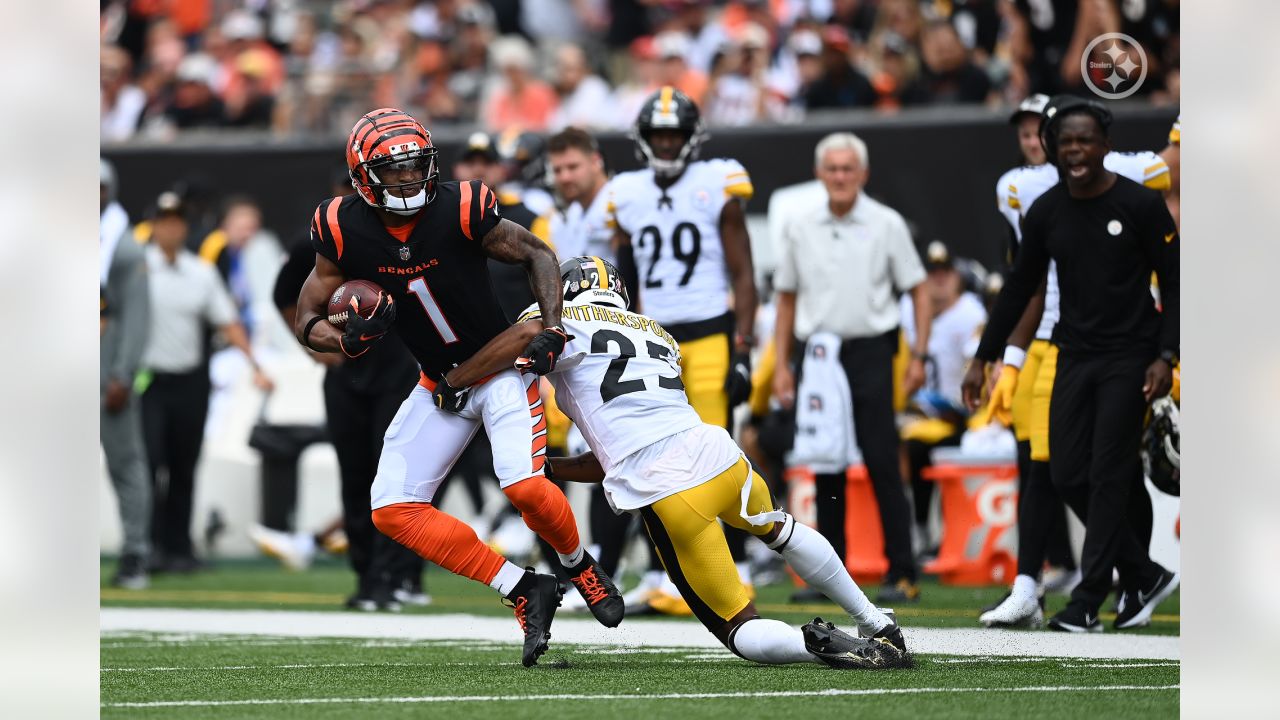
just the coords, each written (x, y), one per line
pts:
(439, 276)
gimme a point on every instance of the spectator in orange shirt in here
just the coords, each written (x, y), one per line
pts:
(673, 68)
(518, 98)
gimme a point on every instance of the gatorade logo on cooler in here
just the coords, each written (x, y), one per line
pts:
(997, 503)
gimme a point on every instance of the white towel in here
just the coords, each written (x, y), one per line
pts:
(825, 440)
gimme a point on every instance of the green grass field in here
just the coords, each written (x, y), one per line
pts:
(166, 674)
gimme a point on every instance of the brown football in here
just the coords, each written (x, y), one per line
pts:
(363, 293)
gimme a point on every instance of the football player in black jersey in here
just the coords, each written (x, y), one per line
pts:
(427, 244)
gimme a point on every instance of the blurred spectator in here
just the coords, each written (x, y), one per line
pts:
(903, 17)
(674, 70)
(126, 322)
(185, 294)
(948, 75)
(248, 259)
(248, 100)
(799, 66)
(857, 17)
(738, 95)
(194, 103)
(469, 59)
(977, 22)
(518, 98)
(244, 33)
(690, 18)
(629, 96)
(122, 101)
(841, 85)
(524, 162)
(583, 95)
(896, 69)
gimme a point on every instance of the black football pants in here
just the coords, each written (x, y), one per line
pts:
(174, 408)
(1095, 428)
(357, 421)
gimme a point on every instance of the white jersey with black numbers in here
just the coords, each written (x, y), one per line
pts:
(578, 231)
(618, 379)
(675, 235)
(1018, 189)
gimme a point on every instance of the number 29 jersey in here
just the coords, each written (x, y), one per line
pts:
(438, 275)
(675, 235)
(618, 379)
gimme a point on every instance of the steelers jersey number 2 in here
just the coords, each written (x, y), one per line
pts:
(685, 245)
(613, 386)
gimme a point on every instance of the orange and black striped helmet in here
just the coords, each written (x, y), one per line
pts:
(390, 138)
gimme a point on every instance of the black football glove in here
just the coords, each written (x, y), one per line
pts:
(543, 351)
(738, 383)
(449, 398)
(360, 333)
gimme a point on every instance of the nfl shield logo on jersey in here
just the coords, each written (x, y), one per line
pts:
(404, 254)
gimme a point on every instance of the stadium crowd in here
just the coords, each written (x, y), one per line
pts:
(899, 342)
(308, 66)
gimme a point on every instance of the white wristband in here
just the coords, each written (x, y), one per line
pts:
(1014, 356)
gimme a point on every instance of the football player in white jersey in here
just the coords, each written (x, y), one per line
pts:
(579, 177)
(1025, 383)
(619, 380)
(681, 238)
(681, 241)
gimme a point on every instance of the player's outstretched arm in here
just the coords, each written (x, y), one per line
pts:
(584, 468)
(313, 302)
(512, 244)
(497, 355)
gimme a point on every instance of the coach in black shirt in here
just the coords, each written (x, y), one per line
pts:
(1116, 349)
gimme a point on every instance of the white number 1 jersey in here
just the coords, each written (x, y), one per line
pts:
(675, 234)
(618, 379)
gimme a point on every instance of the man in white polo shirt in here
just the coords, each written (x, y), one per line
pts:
(187, 294)
(842, 263)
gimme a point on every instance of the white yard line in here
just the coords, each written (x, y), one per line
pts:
(645, 635)
(656, 696)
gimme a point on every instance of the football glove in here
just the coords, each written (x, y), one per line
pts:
(449, 398)
(543, 351)
(360, 333)
(1002, 394)
(738, 383)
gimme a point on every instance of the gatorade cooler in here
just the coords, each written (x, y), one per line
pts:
(864, 539)
(979, 520)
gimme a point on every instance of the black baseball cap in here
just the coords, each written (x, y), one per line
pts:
(479, 144)
(169, 203)
(938, 257)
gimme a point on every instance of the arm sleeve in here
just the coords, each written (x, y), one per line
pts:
(904, 261)
(737, 183)
(785, 277)
(1024, 279)
(477, 209)
(1163, 247)
(135, 318)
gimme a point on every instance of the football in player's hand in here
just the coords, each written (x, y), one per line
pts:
(358, 295)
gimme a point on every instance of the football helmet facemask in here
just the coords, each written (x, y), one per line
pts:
(668, 109)
(386, 140)
(1161, 443)
(594, 280)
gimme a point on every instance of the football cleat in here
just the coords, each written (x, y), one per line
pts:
(1015, 611)
(602, 596)
(892, 635)
(534, 601)
(294, 550)
(1075, 618)
(903, 591)
(1136, 606)
(842, 651)
(411, 592)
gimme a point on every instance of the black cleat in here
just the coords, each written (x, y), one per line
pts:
(892, 635)
(842, 651)
(602, 596)
(1136, 606)
(1075, 618)
(534, 600)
